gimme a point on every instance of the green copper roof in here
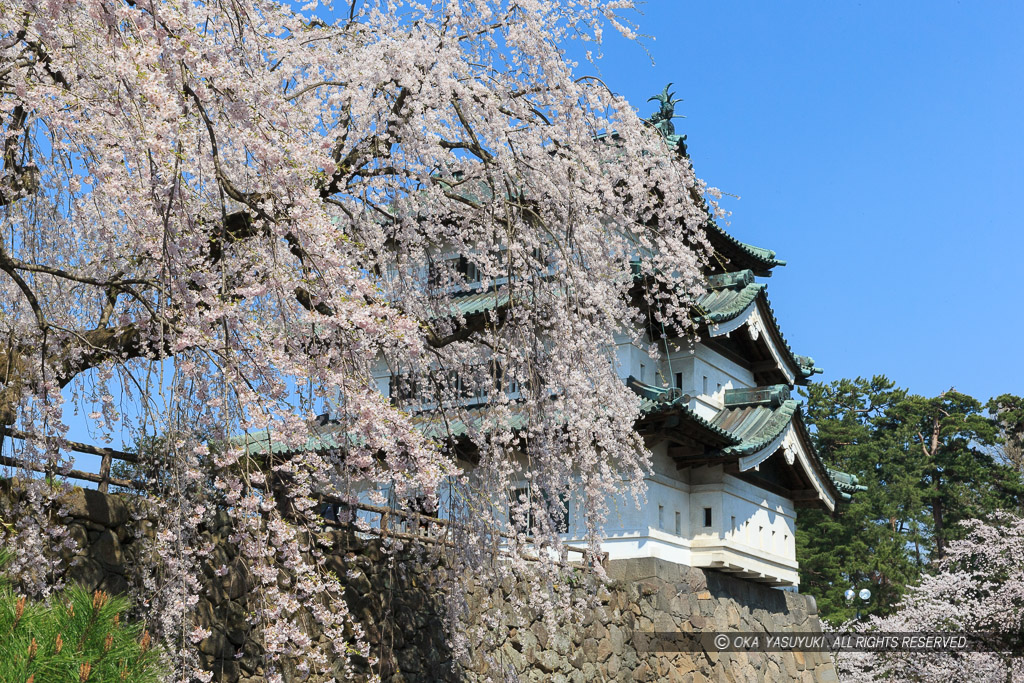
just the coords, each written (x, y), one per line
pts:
(325, 437)
(756, 425)
(741, 254)
(773, 395)
(469, 304)
(725, 303)
(847, 484)
(752, 419)
(729, 294)
(763, 419)
(766, 255)
(807, 366)
(655, 400)
(470, 419)
(330, 435)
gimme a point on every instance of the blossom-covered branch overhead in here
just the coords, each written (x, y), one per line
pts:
(235, 211)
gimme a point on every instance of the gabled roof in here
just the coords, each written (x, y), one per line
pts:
(758, 423)
(730, 303)
(734, 300)
(729, 294)
(671, 408)
(755, 424)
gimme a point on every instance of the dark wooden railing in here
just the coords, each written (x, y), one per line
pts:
(391, 522)
(103, 479)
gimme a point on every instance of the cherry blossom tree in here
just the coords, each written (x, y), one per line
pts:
(219, 218)
(978, 588)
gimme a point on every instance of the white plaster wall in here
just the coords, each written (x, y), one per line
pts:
(751, 532)
(704, 375)
(670, 524)
(382, 375)
(764, 523)
(663, 464)
(629, 360)
(651, 530)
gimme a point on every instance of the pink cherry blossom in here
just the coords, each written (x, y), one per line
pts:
(221, 220)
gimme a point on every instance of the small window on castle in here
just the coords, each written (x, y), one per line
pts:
(732, 525)
(718, 387)
(679, 380)
(705, 386)
(643, 370)
(679, 524)
(661, 516)
(707, 516)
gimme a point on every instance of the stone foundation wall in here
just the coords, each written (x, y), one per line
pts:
(400, 608)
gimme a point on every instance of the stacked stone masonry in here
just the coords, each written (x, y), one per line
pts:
(400, 608)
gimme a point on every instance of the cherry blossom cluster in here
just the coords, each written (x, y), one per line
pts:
(978, 587)
(220, 220)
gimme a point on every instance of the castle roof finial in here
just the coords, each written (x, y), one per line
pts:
(662, 119)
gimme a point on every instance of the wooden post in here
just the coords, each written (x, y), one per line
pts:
(104, 473)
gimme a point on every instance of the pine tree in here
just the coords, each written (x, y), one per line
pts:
(1008, 412)
(868, 541)
(76, 635)
(928, 464)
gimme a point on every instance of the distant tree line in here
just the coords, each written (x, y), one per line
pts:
(929, 464)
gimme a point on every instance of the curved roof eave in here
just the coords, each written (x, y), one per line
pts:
(759, 259)
(793, 366)
(767, 430)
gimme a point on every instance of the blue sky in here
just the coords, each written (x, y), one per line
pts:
(877, 147)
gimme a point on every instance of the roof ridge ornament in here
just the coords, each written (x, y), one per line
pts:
(736, 278)
(656, 394)
(662, 119)
(773, 395)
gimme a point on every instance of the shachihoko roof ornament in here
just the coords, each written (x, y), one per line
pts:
(662, 120)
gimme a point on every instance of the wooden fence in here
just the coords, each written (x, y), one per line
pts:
(391, 522)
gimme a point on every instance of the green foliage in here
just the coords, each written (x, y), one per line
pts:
(928, 464)
(74, 636)
(1008, 412)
